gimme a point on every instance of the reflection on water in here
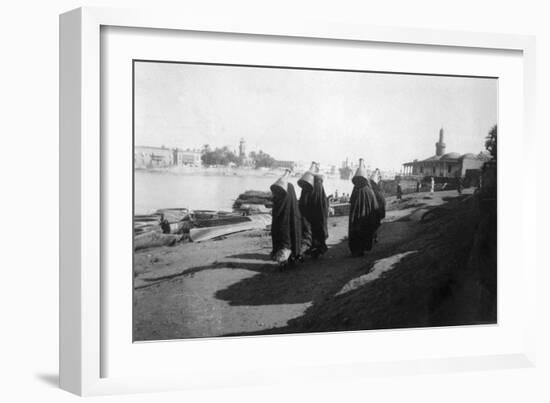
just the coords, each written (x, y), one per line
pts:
(211, 192)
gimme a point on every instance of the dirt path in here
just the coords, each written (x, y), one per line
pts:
(229, 286)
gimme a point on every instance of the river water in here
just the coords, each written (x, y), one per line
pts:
(200, 191)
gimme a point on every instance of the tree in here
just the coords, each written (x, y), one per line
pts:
(491, 142)
(219, 156)
(261, 159)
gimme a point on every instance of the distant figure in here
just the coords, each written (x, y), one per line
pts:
(459, 185)
(314, 209)
(286, 228)
(417, 186)
(164, 225)
(432, 185)
(336, 194)
(363, 216)
(399, 191)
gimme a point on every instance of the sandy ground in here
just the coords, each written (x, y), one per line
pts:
(230, 287)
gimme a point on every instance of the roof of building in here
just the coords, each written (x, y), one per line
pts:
(432, 158)
(453, 156)
(450, 156)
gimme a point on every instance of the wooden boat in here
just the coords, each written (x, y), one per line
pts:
(211, 218)
(151, 222)
(253, 197)
(142, 227)
(146, 223)
(174, 215)
(339, 209)
(254, 209)
(146, 218)
(259, 221)
(203, 214)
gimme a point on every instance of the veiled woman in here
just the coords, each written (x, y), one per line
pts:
(374, 182)
(364, 215)
(380, 199)
(286, 222)
(314, 211)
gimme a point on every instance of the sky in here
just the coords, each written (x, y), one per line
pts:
(306, 115)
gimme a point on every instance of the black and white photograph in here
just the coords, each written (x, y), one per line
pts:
(282, 200)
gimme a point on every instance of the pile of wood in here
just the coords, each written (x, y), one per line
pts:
(254, 200)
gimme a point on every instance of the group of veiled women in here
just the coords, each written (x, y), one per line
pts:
(299, 227)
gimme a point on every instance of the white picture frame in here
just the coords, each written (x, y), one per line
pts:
(82, 307)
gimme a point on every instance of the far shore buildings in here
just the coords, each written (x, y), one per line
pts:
(164, 157)
(285, 164)
(148, 157)
(446, 165)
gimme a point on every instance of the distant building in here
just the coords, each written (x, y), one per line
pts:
(163, 157)
(153, 157)
(284, 164)
(447, 165)
(243, 158)
(188, 157)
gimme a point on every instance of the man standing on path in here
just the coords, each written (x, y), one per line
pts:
(399, 191)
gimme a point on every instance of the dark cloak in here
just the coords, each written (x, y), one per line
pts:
(380, 199)
(363, 219)
(314, 207)
(286, 221)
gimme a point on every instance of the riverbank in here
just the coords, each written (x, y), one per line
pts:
(420, 273)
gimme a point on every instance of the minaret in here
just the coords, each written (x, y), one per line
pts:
(242, 148)
(440, 145)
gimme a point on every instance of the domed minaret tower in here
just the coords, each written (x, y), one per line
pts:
(242, 148)
(440, 145)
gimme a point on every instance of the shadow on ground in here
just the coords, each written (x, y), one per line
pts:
(451, 280)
